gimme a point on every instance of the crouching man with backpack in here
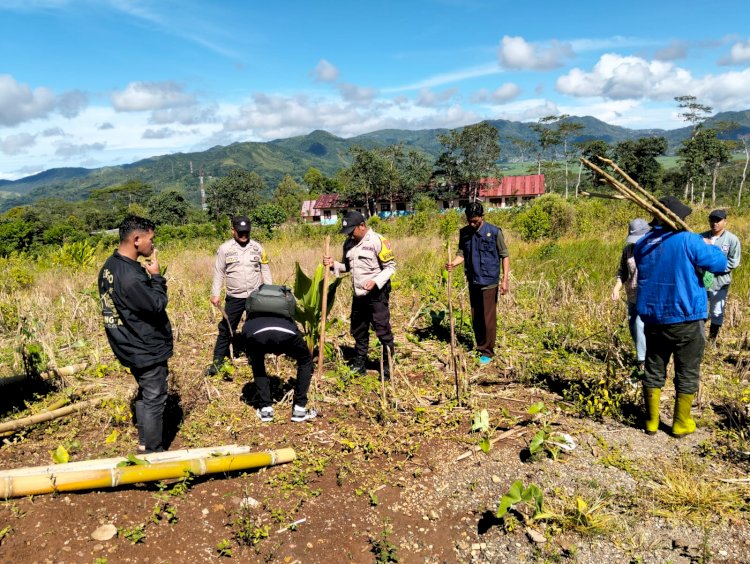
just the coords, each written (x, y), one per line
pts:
(270, 329)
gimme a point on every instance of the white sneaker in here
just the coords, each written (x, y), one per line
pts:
(265, 414)
(300, 414)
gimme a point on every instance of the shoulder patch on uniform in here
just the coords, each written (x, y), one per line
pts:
(386, 251)
(264, 257)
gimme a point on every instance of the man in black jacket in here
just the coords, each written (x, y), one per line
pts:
(134, 304)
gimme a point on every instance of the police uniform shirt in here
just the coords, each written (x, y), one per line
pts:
(241, 269)
(369, 259)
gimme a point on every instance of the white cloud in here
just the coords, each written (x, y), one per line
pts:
(429, 99)
(53, 132)
(19, 103)
(71, 103)
(505, 93)
(145, 96)
(447, 78)
(188, 115)
(615, 77)
(517, 53)
(16, 144)
(163, 133)
(675, 50)
(354, 93)
(325, 72)
(739, 54)
(106, 125)
(67, 150)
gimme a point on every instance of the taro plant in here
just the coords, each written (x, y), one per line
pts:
(546, 440)
(309, 294)
(530, 495)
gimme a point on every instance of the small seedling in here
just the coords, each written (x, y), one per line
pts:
(224, 548)
(135, 534)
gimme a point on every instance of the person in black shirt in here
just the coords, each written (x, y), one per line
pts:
(134, 302)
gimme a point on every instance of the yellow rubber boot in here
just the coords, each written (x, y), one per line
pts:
(651, 398)
(683, 424)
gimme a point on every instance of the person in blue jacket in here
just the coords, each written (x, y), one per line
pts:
(673, 306)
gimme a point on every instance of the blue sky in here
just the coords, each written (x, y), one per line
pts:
(103, 82)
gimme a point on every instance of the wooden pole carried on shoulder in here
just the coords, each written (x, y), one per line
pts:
(323, 313)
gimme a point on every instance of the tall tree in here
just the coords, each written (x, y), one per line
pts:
(566, 129)
(695, 114)
(472, 152)
(368, 176)
(744, 141)
(702, 156)
(315, 181)
(638, 159)
(237, 193)
(547, 137)
(289, 197)
(590, 150)
(168, 208)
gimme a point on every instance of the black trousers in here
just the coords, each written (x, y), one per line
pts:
(149, 405)
(234, 307)
(372, 309)
(279, 342)
(684, 341)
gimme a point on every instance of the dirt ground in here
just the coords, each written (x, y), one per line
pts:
(364, 490)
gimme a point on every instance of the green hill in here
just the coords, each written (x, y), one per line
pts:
(274, 159)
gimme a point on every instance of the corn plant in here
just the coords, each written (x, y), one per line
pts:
(309, 294)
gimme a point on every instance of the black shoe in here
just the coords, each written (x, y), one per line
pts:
(213, 368)
(358, 365)
(713, 332)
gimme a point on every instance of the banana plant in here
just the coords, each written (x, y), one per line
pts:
(309, 294)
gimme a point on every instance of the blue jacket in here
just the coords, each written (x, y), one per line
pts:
(481, 258)
(670, 287)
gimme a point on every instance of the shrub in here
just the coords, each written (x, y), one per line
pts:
(549, 217)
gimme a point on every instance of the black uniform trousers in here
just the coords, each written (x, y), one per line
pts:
(279, 342)
(234, 307)
(686, 342)
(149, 405)
(372, 309)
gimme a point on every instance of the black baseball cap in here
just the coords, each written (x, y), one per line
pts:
(351, 220)
(718, 214)
(676, 206)
(241, 224)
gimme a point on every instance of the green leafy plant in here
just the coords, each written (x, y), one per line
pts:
(530, 495)
(481, 424)
(132, 460)
(60, 455)
(135, 534)
(4, 532)
(545, 440)
(384, 549)
(77, 254)
(224, 548)
(309, 294)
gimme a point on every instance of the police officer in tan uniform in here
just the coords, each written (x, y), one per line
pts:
(242, 266)
(369, 258)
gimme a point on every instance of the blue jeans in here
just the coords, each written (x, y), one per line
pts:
(636, 331)
(149, 405)
(717, 301)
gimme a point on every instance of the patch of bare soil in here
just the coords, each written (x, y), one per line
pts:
(375, 484)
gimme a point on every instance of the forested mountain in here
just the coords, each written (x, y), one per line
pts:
(274, 159)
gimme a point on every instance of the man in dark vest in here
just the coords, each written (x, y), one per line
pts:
(482, 250)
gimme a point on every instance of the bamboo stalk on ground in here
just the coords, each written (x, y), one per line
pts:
(16, 424)
(87, 479)
(59, 372)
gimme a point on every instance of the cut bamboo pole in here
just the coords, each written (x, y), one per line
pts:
(109, 463)
(60, 372)
(449, 293)
(324, 312)
(637, 194)
(87, 479)
(43, 416)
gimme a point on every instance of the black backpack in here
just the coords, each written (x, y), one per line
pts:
(271, 299)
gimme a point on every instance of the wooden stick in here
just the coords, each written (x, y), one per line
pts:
(505, 434)
(231, 333)
(449, 292)
(323, 313)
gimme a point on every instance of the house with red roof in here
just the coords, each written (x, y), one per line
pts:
(511, 190)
